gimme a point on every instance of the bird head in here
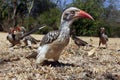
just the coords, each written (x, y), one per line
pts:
(74, 13)
(102, 29)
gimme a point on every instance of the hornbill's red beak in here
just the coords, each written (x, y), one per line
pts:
(83, 14)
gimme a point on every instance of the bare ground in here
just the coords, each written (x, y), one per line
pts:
(74, 64)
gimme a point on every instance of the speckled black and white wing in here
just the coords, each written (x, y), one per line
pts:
(50, 37)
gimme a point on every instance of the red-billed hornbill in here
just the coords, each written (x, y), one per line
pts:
(15, 34)
(53, 43)
(103, 38)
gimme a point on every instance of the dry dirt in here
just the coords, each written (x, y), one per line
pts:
(74, 64)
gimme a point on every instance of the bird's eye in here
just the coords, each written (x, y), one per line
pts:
(72, 12)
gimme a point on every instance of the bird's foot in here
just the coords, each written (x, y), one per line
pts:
(57, 62)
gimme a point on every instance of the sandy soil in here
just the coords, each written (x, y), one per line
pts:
(75, 64)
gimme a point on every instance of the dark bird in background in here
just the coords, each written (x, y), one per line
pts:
(103, 38)
(79, 42)
(53, 43)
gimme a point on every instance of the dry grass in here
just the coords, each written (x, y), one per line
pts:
(74, 64)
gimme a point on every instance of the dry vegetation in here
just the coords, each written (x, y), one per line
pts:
(75, 64)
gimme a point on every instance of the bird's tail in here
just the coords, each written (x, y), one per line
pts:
(32, 31)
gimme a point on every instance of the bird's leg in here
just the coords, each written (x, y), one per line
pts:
(106, 45)
(99, 43)
(29, 44)
(87, 46)
(25, 42)
(78, 47)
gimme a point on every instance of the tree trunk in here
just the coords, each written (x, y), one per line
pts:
(1, 27)
(14, 17)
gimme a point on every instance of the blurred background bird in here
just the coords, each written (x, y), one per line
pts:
(103, 38)
(18, 34)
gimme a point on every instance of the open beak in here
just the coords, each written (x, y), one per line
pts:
(83, 14)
